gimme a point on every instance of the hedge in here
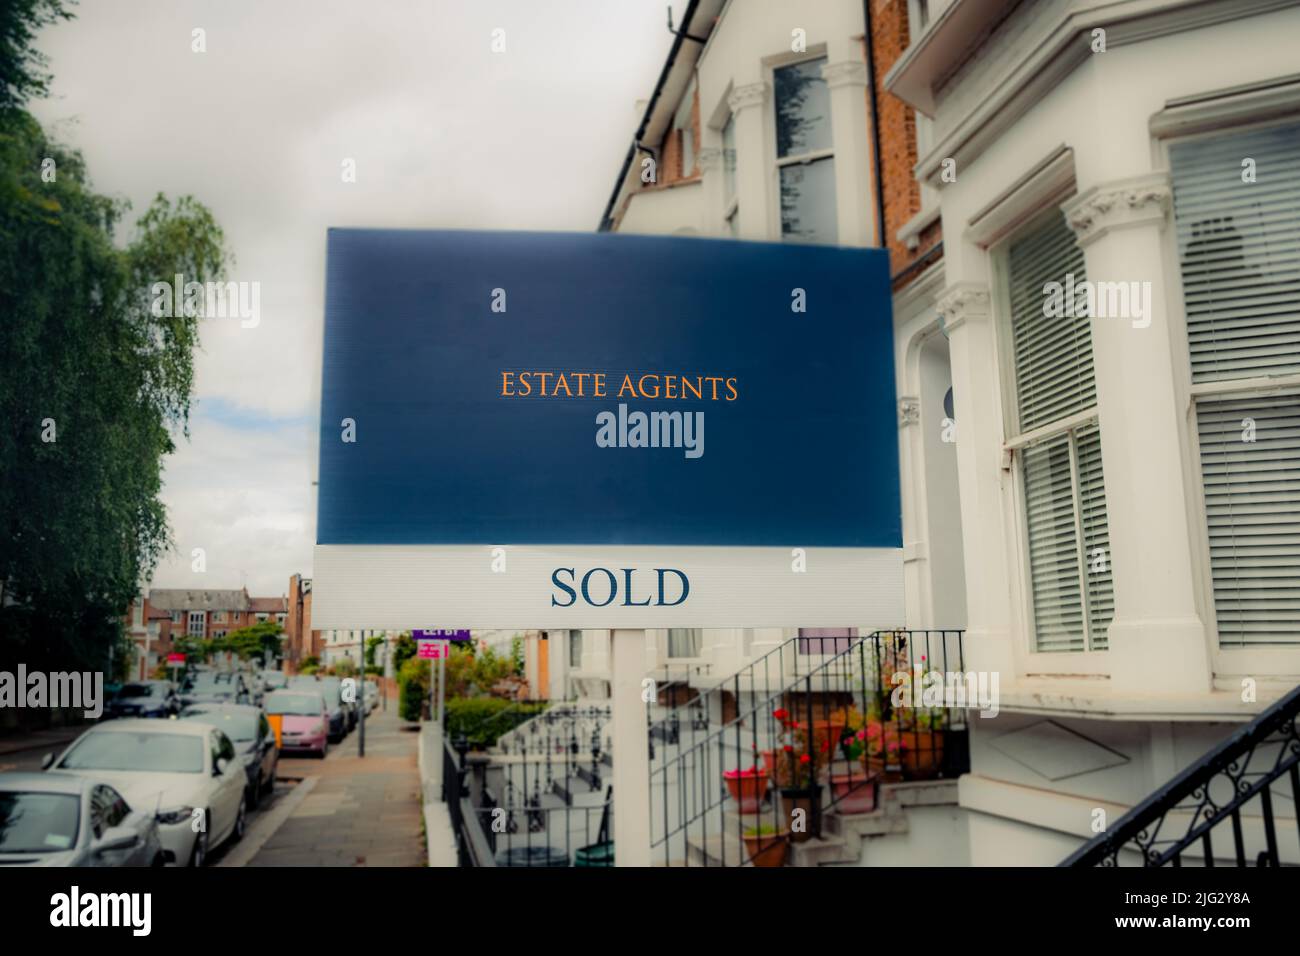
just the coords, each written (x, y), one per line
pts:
(484, 719)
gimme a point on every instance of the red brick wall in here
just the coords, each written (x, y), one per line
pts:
(670, 152)
(897, 136)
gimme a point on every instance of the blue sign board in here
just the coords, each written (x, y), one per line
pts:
(475, 426)
(563, 399)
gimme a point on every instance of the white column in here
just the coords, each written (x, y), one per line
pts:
(847, 81)
(1158, 641)
(711, 170)
(916, 585)
(978, 412)
(752, 166)
(631, 748)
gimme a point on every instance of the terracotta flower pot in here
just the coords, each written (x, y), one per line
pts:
(808, 800)
(855, 792)
(921, 752)
(767, 849)
(770, 757)
(747, 788)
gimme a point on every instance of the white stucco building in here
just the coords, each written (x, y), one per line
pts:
(1107, 501)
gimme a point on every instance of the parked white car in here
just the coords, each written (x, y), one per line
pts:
(185, 773)
(56, 819)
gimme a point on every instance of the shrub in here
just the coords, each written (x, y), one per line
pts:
(413, 688)
(484, 719)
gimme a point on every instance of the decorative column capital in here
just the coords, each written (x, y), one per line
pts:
(962, 302)
(709, 159)
(751, 94)
(909, 411)
(845, 73)
(1119, 204)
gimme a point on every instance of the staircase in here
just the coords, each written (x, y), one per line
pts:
(696, 822)
(1177, 824)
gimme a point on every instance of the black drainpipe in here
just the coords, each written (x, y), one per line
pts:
(875, 127)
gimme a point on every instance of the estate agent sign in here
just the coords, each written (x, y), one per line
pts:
(572, 430)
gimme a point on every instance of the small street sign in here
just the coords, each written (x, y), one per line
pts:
(432, 650)
(439, 635)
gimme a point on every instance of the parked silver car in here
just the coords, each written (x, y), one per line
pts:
(186, 773)
(61, 819)
(254, 741)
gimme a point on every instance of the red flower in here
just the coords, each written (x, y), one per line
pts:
(804, 758)
(788, 749)
(780, 713)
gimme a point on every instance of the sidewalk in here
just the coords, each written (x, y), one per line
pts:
(360, 811)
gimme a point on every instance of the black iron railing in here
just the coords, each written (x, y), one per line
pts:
(559, 731)
(1177, 824)
(527, 810)
(693, 713)
(454, 795)
(872, 712)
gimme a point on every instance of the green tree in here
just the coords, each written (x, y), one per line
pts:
(22, 66)
(257, 640)
(372, 645)
(94, 384)
(518, 661)
(403, 650)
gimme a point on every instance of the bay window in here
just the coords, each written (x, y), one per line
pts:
(1058, 443)
(1237, 218)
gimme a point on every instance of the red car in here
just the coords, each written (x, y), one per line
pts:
(305, 720)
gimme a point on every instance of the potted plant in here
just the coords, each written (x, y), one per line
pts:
(920, 743)
(799, 764)
(747, 787)
(854, 790)
(766, 845)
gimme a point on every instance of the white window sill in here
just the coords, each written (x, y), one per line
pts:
(1095, 700)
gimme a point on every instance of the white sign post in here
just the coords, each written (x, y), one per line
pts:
(631, 749)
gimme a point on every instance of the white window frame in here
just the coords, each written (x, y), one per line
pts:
(201, 618)
(1031, 659)
(669, 656)
(777, 163)
(1227, 116)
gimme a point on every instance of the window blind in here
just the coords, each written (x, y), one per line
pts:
(1252, 509)
(1065, 500)
(1239, 245)
(1053, 546)
(1053, 354)
(1096, 535)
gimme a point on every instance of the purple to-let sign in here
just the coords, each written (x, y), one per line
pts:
(440, 635)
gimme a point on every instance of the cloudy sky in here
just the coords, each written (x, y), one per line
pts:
(444, 133)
